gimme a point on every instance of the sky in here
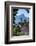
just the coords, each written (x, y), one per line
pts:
(22, 13)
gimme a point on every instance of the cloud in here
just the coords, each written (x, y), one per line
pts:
(22, 11)
(26, 14)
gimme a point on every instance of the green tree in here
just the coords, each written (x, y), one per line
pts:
(16, 31)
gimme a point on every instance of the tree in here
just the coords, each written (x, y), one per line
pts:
(16, 31)
(14, 14)
(21, 22)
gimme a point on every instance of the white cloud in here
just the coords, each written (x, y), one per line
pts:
(22, 11)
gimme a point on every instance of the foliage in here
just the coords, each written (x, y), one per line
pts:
(16, 31)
